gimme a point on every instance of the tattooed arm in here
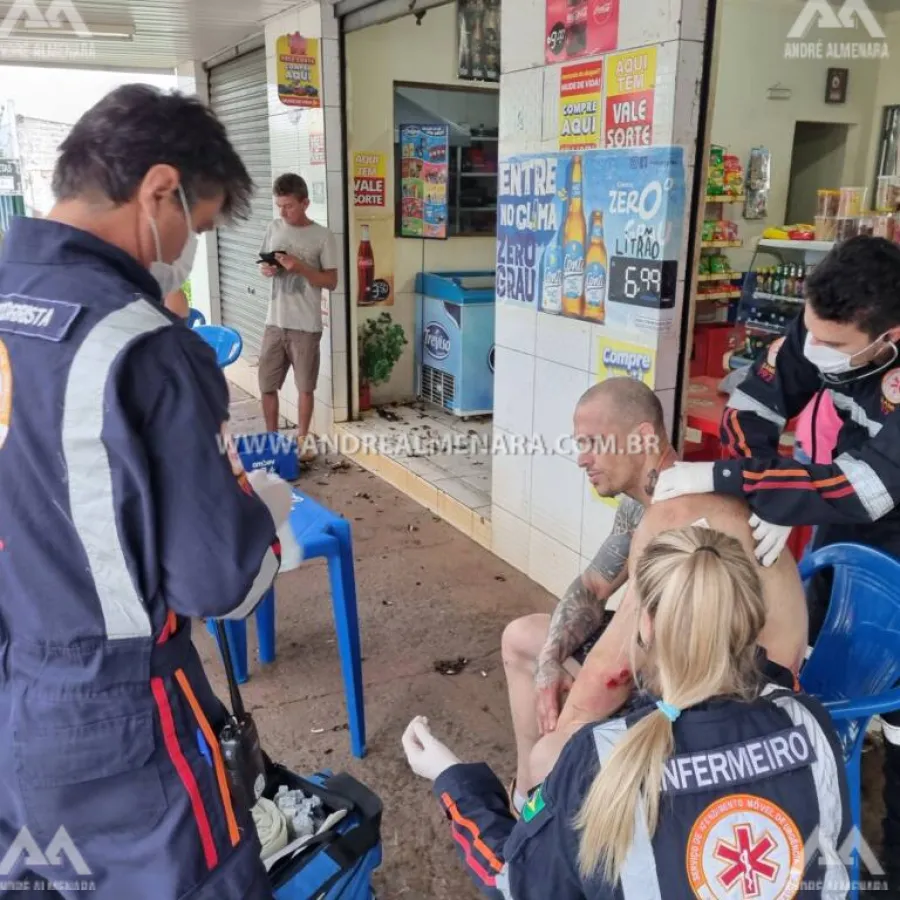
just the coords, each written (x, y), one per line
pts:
(580, 613)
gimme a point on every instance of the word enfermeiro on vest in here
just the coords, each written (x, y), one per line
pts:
(37, 317)
(739, 763)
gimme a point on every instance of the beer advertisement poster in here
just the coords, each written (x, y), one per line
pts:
(630, 88)
(299, 81)
(580, 106)
(424, 168)
(478, 31)
(593, 235)
(577, 28)
(369, 182)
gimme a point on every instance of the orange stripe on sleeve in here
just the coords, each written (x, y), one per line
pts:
(233, 831)
(472, 828)
(795, 473)
(170, 735)
(739, 433)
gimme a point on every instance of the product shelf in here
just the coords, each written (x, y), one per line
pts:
(799, 246)
(722, 244)
(725, 198)
(725, 276)
(718, 295)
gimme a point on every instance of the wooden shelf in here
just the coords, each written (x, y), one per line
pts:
(727, 276)
(725, 198)
(722, 244)
(718, 295)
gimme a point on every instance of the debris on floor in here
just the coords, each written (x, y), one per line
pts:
(450, 666)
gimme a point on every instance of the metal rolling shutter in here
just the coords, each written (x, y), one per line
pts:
(237, 93)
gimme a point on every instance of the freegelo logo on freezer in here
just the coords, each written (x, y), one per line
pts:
(491, 359)
(436, 340)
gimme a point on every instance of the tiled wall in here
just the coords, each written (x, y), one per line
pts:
(545, 519)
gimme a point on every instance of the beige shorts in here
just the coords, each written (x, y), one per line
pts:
(283, 348)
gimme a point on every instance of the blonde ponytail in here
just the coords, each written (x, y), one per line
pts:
(704, 597)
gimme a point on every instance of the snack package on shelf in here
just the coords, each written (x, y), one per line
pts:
(759, 182)
(709, 229)
(719, 264)
(705, 265)
(715, 185)
(734, 176)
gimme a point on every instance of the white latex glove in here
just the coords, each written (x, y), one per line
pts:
(684, 478)
(426, 755)
(275, 492)
(770, 539)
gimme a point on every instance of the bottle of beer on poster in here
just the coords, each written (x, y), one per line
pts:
(596, 271)
(573, 244)
(552, 278)
(365, 268)
(576, 27)
(492, 40)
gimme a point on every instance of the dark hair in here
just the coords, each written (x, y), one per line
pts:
(858, 282)
(135, 127)
(290, 185)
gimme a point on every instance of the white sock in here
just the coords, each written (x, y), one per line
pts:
(519, 801)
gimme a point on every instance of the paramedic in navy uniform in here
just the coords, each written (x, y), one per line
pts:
(751, 773)
(846, 344)
(121, 518)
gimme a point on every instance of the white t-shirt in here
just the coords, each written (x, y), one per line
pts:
(294, 302)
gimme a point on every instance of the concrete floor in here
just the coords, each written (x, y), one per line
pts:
(425, 593)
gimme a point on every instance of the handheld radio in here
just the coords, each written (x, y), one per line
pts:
(239, 739)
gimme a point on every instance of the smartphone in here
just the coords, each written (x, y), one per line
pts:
(270, 258)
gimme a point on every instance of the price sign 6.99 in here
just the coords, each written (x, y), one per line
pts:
(643, 282)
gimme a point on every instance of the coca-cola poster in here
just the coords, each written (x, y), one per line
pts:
(577, 28)
(478, 34)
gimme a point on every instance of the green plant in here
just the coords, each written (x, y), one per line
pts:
(186, 287)
(381, 343)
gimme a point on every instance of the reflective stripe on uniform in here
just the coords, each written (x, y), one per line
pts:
(501, 883)
(639, 879)
(267, 571)
(856, 412)
(91, 498)
(745, 403)
(870, 489)
(828, 792)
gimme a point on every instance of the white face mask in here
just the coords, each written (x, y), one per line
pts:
(835, 362)
(171, 276)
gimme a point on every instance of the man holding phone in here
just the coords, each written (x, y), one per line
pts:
(300, 256)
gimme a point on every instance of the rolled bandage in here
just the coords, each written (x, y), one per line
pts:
(274, 492)
(271, 826)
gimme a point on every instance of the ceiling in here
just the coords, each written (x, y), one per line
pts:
(165, 32)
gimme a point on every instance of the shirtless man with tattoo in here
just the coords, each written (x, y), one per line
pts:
(544, 655)
(623, 419)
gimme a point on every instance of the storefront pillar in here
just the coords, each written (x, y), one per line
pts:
(546, 519)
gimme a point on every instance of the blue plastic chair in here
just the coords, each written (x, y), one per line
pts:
(856, 660)
(195, 318)
(320, 533)
(224, 340)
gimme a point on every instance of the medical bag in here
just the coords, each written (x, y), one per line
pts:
(334, 864)
(337, 864)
